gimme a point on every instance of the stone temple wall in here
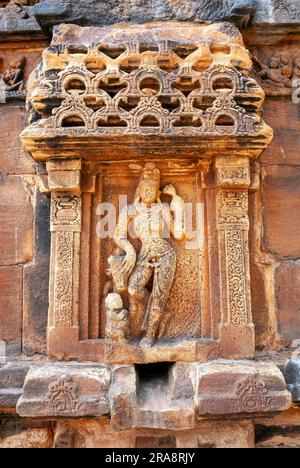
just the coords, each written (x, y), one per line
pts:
(102, 396)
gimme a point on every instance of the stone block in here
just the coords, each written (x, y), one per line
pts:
(287, 282)
(36, 283)
(283, 117)
(226, 435)
(11, 280)
(95, 13)
(12, 377)
(15, 159)
(65, 390)
(239, 387)
(16, 221)
(123, 397)
(16, 433)
(281, 214)
(181, 381)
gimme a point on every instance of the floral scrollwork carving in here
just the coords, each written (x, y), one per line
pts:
(66, 210)
(252, 394)
(62, 397)
(63, 279)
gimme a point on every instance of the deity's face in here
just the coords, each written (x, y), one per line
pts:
(149, 191)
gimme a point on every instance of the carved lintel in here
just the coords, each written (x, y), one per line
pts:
(233, 181)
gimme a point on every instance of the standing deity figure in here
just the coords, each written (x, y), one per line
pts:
(149, 274)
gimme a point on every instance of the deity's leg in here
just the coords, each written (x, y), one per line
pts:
(163, 279)
(138, 297)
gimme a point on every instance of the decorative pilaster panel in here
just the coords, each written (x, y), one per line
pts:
(64, 181)
(236, 329)
(65, 228)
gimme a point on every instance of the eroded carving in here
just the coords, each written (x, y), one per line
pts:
(66, 210)
(275, 74)
(253, 395)
(12, 81)
(62, 397)
(16, 17)
(117, 322)
(285, 10)
(99, 13)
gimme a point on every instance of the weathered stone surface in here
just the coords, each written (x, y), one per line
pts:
(240, 387)
(226, 434)
(36, 282)
(281, 197)
(141, 402)
(98, 13)
(11, 283)
(12, 376)
(283, 117)
(181, 380)
(17, 433)
(123, 397)
(16, 221)
(14, 159)
(277, 11)
(288, 418)
(280, 438)
(292, 377)
(50, 12)
(287, 281)
(207, 434)
(68, 390)
(17, 18)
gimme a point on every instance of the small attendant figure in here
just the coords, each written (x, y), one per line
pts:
(117, 322)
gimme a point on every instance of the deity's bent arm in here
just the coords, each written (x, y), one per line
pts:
(122, 241)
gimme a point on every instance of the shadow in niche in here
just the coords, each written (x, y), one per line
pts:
(153, 385)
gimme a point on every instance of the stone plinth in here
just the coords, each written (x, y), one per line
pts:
(69, 390)
(240, 387)
(174, 398)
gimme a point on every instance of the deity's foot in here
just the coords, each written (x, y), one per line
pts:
(147, 342)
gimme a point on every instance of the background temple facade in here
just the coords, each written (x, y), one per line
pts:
(271, 31)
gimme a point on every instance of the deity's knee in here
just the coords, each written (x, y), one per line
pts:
(133, 291)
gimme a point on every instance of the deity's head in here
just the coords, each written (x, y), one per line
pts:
(148, 188)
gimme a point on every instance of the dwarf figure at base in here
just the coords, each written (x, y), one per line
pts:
(117, 322)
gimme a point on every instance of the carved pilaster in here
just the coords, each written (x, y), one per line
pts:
(64, 183)
(236, 328)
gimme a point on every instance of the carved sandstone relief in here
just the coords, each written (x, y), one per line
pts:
(277, 71)
(162, 119)
(156, 259)
(12, 84)
(196, 88)
(16, 16)
(65, 225)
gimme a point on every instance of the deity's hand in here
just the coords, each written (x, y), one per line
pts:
(128, 262)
